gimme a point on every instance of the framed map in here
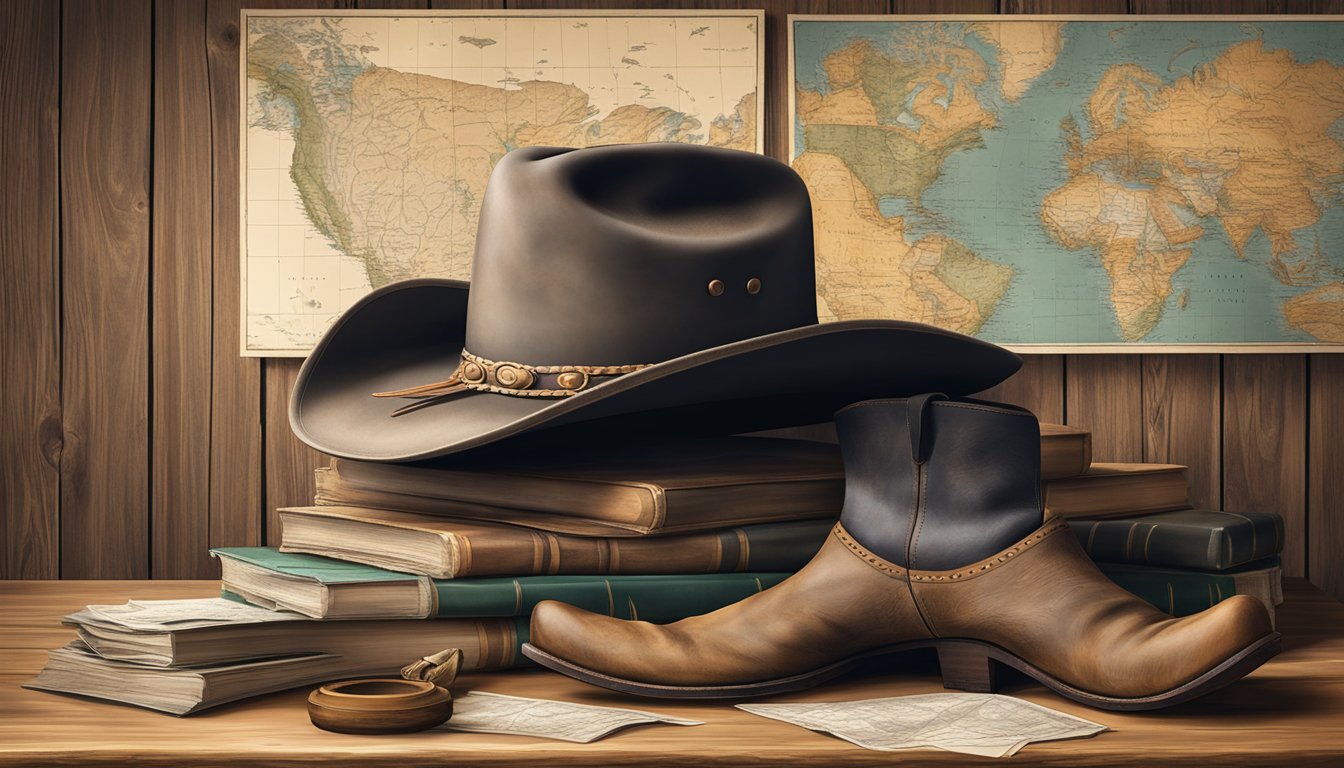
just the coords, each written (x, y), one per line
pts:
(368, 137)
(1078, 183)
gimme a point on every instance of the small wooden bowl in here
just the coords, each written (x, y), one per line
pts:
(379, 705)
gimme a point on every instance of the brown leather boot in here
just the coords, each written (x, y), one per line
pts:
(940, 544)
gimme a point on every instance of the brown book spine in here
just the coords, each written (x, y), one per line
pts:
(1101, 494)
(402, 541)
(1065, 451)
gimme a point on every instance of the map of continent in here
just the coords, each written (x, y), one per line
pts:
(1068, 183)
(368, 140)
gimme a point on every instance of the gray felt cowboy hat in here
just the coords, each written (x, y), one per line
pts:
(662, 285)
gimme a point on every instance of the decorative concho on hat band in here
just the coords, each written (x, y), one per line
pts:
(476, 373)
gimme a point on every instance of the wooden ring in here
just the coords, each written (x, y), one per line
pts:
(379, 705)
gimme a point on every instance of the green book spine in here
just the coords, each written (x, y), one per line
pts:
(659, 599)
(1182, 593)
(1201, 539)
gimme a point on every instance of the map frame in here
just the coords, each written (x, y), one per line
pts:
(245, 14)
(1290, 347)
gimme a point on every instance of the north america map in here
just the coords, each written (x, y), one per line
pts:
(368, 139)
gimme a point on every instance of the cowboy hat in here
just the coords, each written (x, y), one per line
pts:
(663, 284)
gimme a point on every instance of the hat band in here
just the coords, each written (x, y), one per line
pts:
(479, 374)
(523, 380)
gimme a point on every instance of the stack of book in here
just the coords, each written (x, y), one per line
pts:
(459, 554)
(1136, 522)
(653, 533)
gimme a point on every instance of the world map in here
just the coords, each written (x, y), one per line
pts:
(368, 139)
(1077, 182)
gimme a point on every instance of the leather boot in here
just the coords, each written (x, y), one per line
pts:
(940, 544)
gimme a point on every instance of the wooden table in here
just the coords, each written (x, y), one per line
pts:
(1290, 712)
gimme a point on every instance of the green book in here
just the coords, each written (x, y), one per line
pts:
(325, 588)
(1202, 539)
(1181, 592)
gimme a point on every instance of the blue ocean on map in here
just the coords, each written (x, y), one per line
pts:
(989, 197)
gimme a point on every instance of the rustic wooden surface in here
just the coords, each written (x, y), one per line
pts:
(30, 322)
(1265, 443)
(235, 382)
(106, 80)
(1286, 713)
(1105, 395)
(1326, 477)
(289, 462)
(1182, 400)
(180, 463)
(125, 457)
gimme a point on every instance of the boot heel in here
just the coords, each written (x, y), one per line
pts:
(967, 667)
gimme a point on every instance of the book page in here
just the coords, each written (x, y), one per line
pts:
(167, 615)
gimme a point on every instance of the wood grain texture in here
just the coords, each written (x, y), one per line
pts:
(1063, 6)
(1325, 474)
(466, 4)
(1286, 713)
(944, 6)
(236, 435)
(1038, 387)
(397, 4)
(1264, 444)
(289, 462)
(106, 78)
(183, 271)
(1182, 402)
(1195, 6)
(1105, 395)
(30, 323)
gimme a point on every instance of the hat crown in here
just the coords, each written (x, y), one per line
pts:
(636, 254)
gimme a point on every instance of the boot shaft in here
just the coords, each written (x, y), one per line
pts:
(935, 484)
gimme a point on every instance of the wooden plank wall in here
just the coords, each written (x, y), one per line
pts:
(134, 436)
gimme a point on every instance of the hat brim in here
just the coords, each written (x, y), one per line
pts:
(412, 333)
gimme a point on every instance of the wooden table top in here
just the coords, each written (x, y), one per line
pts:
(1289, 712)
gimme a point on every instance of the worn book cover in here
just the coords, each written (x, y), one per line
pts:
(1182, 593)
(446, 548)
(1201, 539)
(193, 632)
(1117, 490)
(666, 488)
(325, 588)
(1065, 451)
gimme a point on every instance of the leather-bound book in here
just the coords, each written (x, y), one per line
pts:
(666, 488)
(1181, 593)
(323, 588)
(1201, 539)
(448, 548)
(1117, 490)
(1065, 451)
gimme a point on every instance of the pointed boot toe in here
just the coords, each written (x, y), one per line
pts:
(816, 624)
(1043, 608)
